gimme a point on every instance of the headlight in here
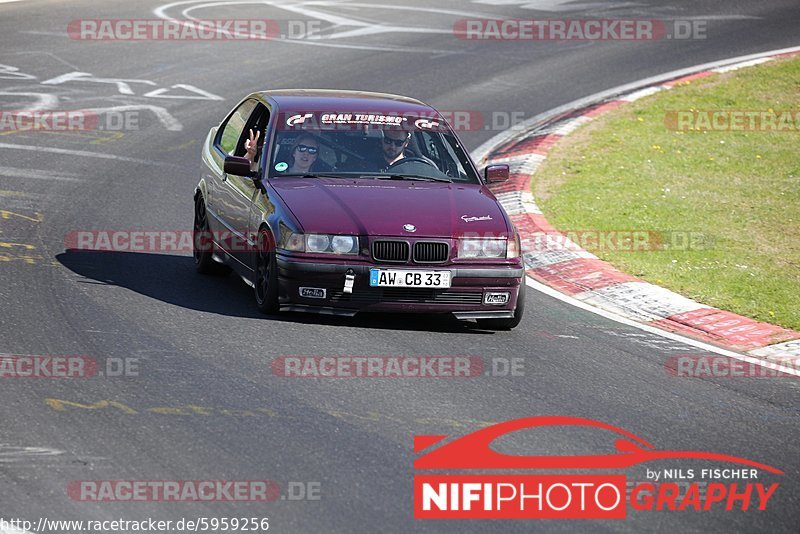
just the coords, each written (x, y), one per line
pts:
(291, 241)
(344, 244)
(494, 248)
(319, 243)
(469, 248)
(482, 248)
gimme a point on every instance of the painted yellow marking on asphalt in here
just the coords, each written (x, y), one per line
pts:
(26, 258)
(15, 194)
(93, 137)
(26, 246)
(187, 144)
(109, 136)
(6, 214)
(61, 405)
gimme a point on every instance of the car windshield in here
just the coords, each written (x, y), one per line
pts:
(369, 146)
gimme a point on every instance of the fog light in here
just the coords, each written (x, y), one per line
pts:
(496, 298)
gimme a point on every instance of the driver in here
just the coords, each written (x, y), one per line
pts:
(393, 147)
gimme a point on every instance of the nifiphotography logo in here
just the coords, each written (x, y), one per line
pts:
(573, 496)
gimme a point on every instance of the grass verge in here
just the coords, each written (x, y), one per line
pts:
(735, 194)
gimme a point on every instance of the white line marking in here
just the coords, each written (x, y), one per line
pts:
(122, 84)
(167, 120)
(83, 153)
(43, 100)
(201, 94)
(738, 66)
(10, 453)
(547, 290)
(7, 72)
(415, 9)
(324, 42)
(647, 91)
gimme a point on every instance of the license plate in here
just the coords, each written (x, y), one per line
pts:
(398, 278)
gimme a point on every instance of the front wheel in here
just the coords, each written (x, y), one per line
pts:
(266, 282)
(507, 324)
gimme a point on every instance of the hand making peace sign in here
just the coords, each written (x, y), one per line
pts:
(251, 145)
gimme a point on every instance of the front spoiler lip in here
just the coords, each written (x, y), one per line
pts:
(348, 312)
(499, 271)
(504, 314)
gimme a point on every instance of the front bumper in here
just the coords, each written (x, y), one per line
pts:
(464, 299)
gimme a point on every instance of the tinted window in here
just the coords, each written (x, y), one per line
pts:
(232, 131)
(366, 145)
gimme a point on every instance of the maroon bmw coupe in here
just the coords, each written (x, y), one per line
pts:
(342, 202)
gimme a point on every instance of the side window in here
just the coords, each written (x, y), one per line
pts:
(429, 147)
(440, 151)
(232, 131)
(258, 123)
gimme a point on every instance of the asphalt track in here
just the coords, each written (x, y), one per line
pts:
(200, 342)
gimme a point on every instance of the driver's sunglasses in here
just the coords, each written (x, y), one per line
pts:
(395, 142)
(311, 149)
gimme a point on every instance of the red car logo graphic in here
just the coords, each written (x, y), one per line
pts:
(474, 451)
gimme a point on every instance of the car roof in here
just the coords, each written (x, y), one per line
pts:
(332, 100)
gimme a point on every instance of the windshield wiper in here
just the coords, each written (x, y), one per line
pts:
(318, 175)
(413, 177)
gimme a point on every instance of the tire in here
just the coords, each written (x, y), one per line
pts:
(202, 244)
(507, 324)
(266, 275)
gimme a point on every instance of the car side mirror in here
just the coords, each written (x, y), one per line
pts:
(237, 166)
(496, 174)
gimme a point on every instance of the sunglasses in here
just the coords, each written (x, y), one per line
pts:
(395, 142)
(310, 149)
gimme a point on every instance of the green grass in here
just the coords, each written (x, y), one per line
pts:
(740, 190)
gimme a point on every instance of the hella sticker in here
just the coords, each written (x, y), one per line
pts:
(312, 292)
(495, 298)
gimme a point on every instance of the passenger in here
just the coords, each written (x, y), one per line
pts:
(303, 154)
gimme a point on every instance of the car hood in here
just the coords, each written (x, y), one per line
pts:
(383, 207)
